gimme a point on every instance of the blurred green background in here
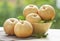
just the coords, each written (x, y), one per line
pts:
(14, 8)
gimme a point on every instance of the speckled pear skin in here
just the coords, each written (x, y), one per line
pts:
(9, 26)
(46, 12)
(23, 29)
(30, 9)
(33, 18)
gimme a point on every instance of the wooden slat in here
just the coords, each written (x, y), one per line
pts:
(53, 35)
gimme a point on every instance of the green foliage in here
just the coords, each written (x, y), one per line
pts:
(39, 2)
(21, 17)
(40, 35)
(7, 11)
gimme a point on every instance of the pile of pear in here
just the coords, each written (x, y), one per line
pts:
(32, 24)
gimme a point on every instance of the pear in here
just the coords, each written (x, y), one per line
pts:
(46, 12)
(30, 9)
(33, 18)
(9, 25)
(23, 29)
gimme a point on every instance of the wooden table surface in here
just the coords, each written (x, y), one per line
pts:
(53, 35)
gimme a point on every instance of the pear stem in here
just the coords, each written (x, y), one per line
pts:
(22, 22)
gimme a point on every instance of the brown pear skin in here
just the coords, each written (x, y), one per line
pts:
(9, 25)
(30, 9)
(33, 18)
(46, 12)
(23, 29)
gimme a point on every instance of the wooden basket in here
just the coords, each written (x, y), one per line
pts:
(41, 27)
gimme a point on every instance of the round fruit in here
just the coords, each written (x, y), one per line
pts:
(30, 9)
(9, 25)
(46, 12)
(33, 18)
(23, 29)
